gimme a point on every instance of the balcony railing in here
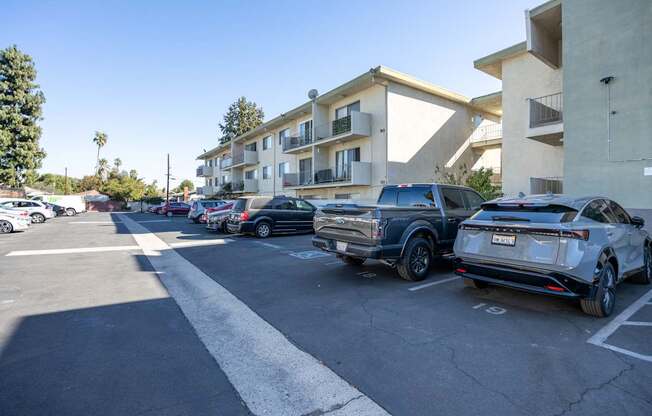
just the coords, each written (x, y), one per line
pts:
(486, 133)
(297, 179)
(226, 163)
(247, 157)
(356, 124)
(297, 140)
(248, 185)
(205, 170)
(546, 110)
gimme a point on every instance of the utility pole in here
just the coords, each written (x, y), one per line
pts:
(65, 183)
(167, 188)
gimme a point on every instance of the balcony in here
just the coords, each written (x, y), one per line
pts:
(357, 173)
(204, 170)
(545, 122)
(246, 186)
(353, 126)
(245, 158)
(297, 142)
(543, 33)
(489, 135)
(207, 190)
(226, 163)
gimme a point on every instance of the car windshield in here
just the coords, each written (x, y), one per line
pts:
(523, 213)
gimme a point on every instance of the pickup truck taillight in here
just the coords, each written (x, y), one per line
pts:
(377, 229)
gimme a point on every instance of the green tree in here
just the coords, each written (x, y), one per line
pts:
(100, 140)
(20, 110)
(152, 191)
(117, 163)
(102, 168)
(55, 183)
(124, 188)
(184, 183)
(90, 183)
(479, 180)
(241, 117)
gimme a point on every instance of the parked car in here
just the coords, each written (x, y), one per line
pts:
(199, 207)
(13, 222)
(407, 228)
(266, 215)
(576, 248)
(37, 210)
(175, 208)
(57, 209)
(153, 208)
(216, 217)
(73, 204)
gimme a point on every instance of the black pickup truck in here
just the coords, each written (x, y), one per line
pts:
(407, 228)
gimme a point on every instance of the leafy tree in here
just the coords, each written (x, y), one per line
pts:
(124, 188)
(241, 117)
(117, 162)
(102, 168)
(20, 110)
(152, 191)
(89, 183)
(56, 183)
(479, 180)
(100, 140)
(183, 184)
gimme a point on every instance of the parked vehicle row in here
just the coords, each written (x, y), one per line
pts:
(17, 214)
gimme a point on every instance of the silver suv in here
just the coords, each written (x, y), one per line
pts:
(576, 248)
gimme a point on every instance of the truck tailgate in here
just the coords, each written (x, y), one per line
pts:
(351, 224)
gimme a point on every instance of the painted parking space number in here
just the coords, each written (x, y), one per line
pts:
(492, 309)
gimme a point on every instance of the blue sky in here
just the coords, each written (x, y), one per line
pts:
(157, 76)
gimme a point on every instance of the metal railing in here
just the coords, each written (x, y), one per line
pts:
(297, 140)
(553, 184)
(546, 110)
(337, 174)
(356, 123)
(226, 163)
(297, 179)
(237, 186)
(486, 133)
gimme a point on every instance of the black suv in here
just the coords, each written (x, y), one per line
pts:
(264, 215)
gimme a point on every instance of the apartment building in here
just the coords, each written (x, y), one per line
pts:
(382, 127)
(577, 101)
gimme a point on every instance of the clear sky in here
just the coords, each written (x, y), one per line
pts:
(157, 75)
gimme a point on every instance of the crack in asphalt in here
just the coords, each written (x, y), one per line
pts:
(339, 406)
(592, 389)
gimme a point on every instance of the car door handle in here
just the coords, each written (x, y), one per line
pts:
(453, 220)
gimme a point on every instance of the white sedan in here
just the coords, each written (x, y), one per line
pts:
(37, 210)
(10, 223)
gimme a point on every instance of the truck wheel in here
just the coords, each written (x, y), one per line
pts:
(477, 284)
(645, 276)
(414, 264)
(353, 261)
(263, 230)
(602, 300)
(70, 212)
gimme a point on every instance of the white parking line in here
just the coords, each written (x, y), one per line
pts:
(438, 282)
(622, 319)
(271, 374)
(71, 250)
(270, 245)
(94, 222)
(199, 243)
(144, 221)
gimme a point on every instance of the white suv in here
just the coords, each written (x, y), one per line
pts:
(38, 212)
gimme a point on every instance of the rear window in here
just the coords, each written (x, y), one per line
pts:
(388, 196)
(240, 204)
(548, 214)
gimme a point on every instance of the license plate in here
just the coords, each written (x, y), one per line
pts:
(503, 240)
(341, 246)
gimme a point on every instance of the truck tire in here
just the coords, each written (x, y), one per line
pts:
(353, 261)
(602, 300)
(415, 262)
(645, 276)
(476, 284)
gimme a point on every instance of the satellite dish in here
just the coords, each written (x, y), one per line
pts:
(312, 94)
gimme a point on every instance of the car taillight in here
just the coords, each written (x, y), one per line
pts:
(576, 234)
(244, 216)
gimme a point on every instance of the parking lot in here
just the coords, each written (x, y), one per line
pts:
(140, 314)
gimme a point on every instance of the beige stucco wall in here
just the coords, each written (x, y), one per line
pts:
(425, 131)
(525, 76)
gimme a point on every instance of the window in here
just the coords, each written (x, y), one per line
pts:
(346, 110)
(388, 196)
(225, 179)
(282, 135)
(210, 163)
(597, 211)
(473, 200)
(283, 167)
(267, 143)
(452, 198)
(305, 129)
(251, 174)
(286, 204)
(303, 205)
(210, 182)
(621, 215)
(261, 203)
(343, 160)
(342, 196)
(251, 146)
(305, 171)
(416, 196)
(267, 172)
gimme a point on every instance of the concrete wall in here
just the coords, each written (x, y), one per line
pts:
(425, 131)
(608, 38)
(525, 76)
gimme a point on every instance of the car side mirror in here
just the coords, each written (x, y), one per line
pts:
(638, 222)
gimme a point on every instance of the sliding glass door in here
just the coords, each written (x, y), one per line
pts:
(343, 160)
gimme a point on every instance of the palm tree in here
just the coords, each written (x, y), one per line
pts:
(102, 168)
(117, 162)
(100, 140)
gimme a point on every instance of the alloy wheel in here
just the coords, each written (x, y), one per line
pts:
(263, 230)
(648, 262)
(5, 227)
(419, 260)
(37, 218)
(609, 294)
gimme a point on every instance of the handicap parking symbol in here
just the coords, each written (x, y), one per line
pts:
(310, 254)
